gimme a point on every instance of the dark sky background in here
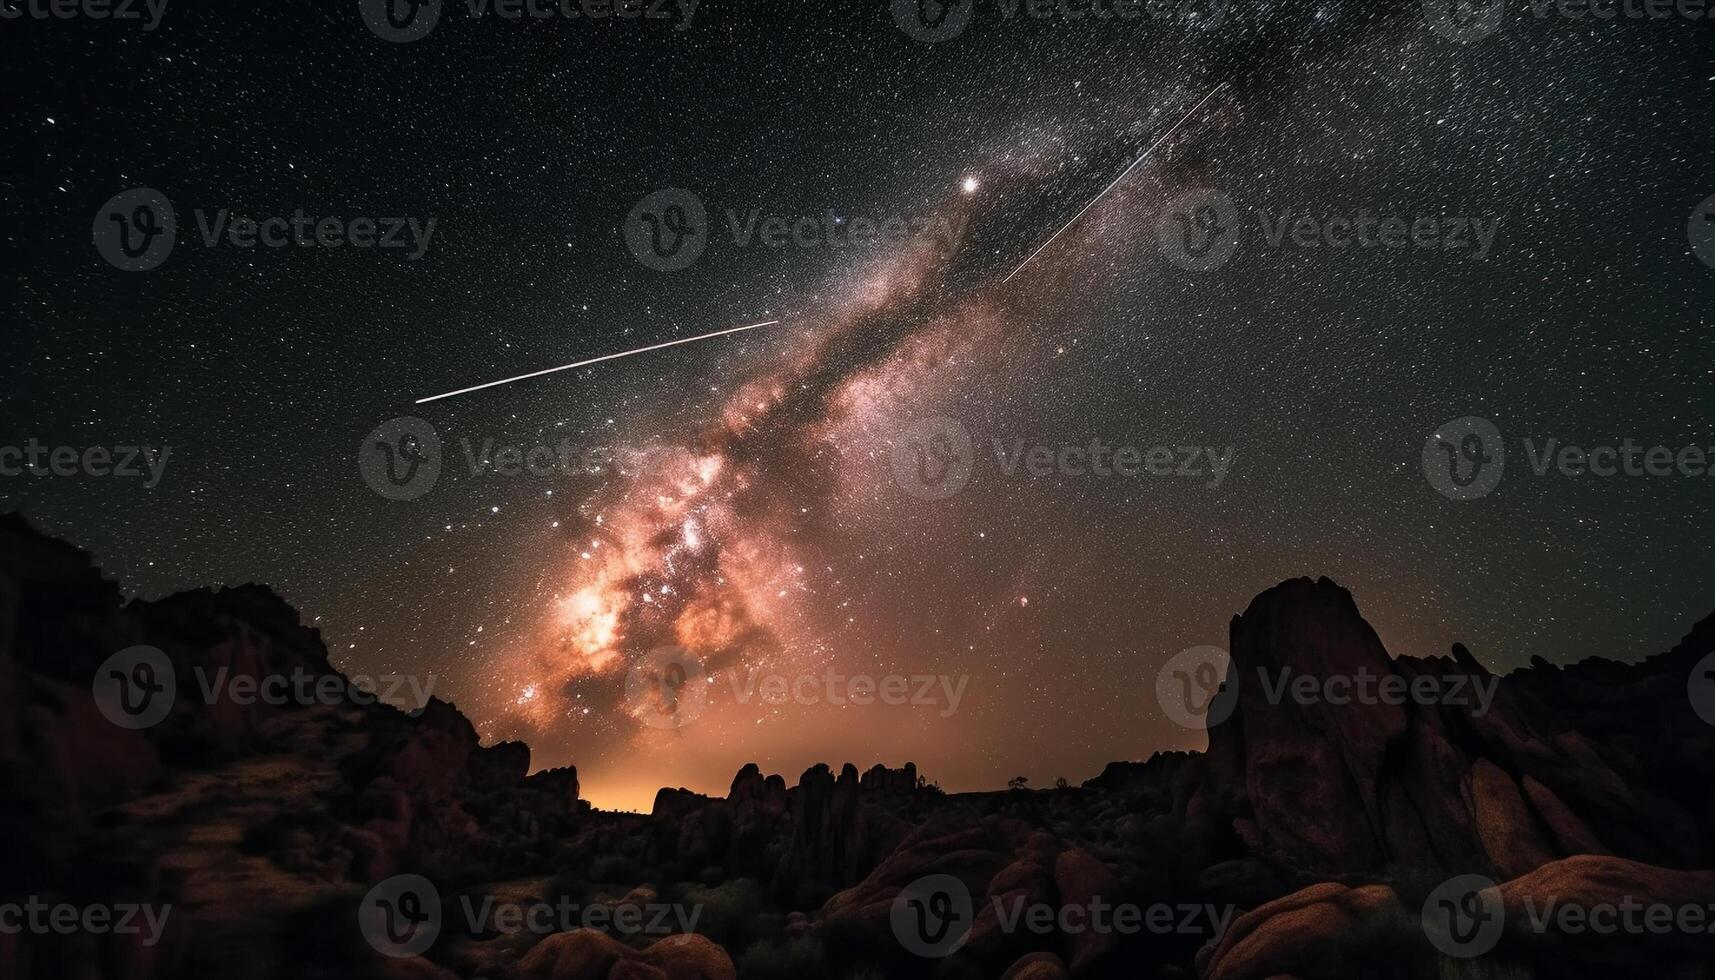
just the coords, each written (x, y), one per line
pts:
(1058, 597)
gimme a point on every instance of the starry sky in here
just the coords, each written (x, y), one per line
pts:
(737, 497)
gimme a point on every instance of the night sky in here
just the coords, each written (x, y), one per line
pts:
(751, 511)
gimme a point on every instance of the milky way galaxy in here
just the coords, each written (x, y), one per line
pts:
(742, 498)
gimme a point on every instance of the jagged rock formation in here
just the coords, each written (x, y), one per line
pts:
(1319, 822)
(1549, 769)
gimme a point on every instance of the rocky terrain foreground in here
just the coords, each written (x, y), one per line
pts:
(1307, 841)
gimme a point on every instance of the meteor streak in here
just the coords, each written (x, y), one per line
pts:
(596, 360)
(1134, 165)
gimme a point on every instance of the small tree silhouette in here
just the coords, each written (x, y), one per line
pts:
(1017, 782)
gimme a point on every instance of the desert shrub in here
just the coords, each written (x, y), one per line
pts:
(616, 869)
(730, 913)
(791, 958)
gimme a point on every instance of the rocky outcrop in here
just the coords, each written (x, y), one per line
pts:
(587, 954)
(1568, 918)
(265, 823)
(1480, 772)
(231, 802)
